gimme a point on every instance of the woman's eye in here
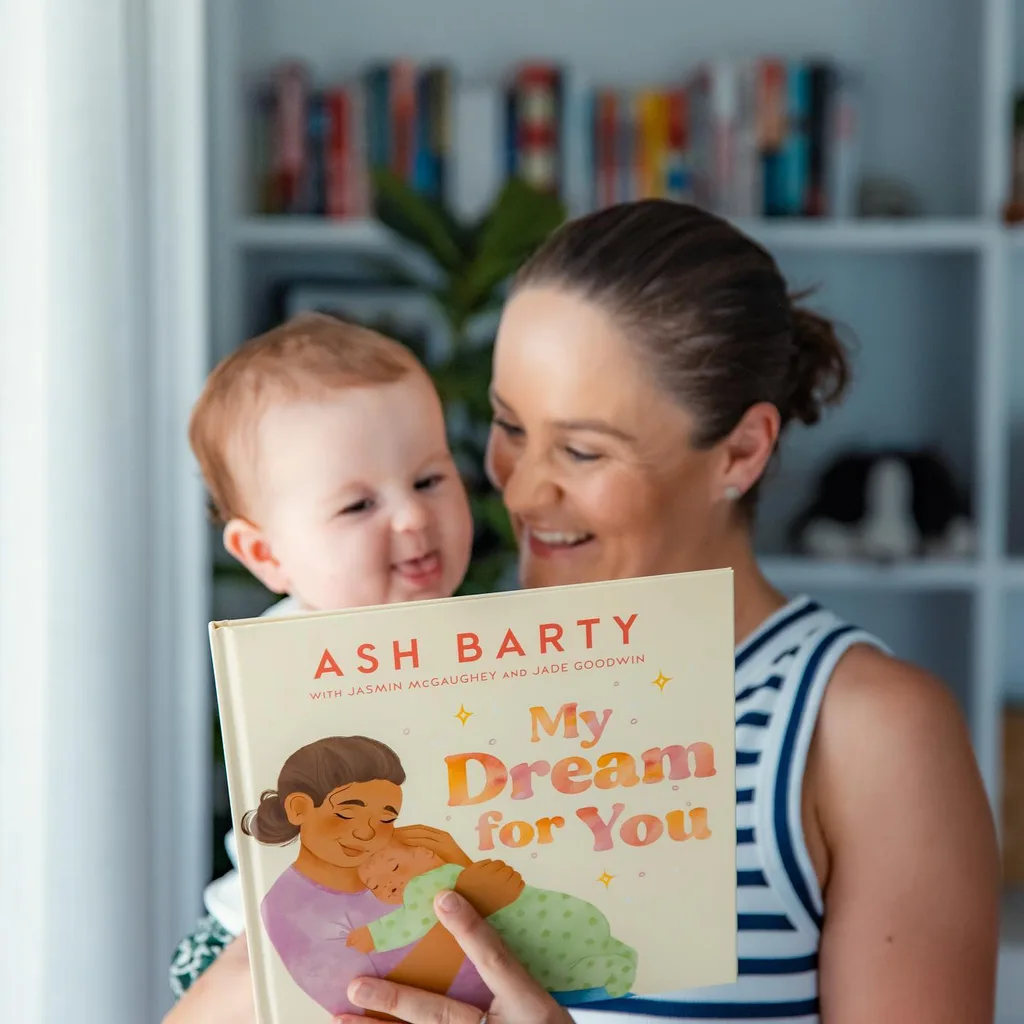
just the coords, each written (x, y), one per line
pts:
(363, 505)
(509, 428)
(344, 817)
(429, 482)
(387, 821)
(575, 453)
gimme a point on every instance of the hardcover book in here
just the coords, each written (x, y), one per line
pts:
(563, 757)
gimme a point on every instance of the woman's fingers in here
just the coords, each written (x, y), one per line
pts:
(408, 1004)
(501, 972)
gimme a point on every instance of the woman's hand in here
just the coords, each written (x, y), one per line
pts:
(489, 885)
(518, 998)
(435, 840)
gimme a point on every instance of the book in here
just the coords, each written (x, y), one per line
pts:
(564, 757)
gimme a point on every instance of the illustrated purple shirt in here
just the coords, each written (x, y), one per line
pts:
(308, 924)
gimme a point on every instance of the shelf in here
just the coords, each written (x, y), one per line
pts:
(924, 235)
(312, 233)
(1013, 574)
(809, 574)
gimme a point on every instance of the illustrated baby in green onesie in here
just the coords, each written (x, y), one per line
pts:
(563, 941)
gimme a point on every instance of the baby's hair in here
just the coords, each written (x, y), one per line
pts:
(318, 769)
(309, 355)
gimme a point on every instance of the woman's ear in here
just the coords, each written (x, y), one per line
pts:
(749, 447)
(297, 806)
(248, 544)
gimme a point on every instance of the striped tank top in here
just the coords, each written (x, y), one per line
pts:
(782, 670)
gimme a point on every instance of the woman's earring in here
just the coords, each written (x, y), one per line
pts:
(732, 493)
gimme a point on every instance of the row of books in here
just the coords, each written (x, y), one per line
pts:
(762, 137)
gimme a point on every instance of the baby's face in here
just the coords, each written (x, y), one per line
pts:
(387, 873)
(358, 497)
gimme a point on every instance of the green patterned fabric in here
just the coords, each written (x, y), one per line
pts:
(196, 952)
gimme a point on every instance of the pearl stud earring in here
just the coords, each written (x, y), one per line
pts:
(732, 493)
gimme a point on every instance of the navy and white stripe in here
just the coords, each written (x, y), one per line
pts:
(782, 671)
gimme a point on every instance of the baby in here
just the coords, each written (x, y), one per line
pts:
(324, 449)
(563, 941)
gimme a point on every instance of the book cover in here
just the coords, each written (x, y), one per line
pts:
(564, 757)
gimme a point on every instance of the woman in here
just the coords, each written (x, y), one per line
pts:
(647, 361)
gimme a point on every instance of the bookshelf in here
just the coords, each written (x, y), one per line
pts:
(936, 235)
(935, 303)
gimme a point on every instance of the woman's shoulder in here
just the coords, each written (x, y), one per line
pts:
(890, 735)
(879, 698)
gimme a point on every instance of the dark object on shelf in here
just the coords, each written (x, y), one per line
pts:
(887, 197)
(886, 506)
(1013, 212)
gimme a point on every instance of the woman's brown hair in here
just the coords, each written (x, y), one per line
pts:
(318, 769)
(707, 307)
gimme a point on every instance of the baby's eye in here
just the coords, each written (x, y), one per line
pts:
(427, 483)
(363, 505)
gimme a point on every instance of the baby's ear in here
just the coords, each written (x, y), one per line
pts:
(248, 544)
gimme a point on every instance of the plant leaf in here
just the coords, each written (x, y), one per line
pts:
(465, 379)
(489, 510)
(418, 219)
(521, 219)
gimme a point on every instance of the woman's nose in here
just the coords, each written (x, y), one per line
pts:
(364, 831)
(529, 486)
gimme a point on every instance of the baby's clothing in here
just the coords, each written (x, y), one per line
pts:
(563, 941)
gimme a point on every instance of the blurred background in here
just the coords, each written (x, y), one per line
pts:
(178, 175)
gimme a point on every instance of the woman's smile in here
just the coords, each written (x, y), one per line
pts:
(552, 543)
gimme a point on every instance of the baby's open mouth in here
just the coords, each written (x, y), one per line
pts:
(422, 571)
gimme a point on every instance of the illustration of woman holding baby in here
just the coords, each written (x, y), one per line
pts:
(331, 914)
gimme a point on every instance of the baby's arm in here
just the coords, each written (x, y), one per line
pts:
(416, 916)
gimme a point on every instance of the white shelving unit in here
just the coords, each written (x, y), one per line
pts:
(936, 304)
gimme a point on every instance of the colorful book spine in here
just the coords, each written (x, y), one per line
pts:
(765, 137)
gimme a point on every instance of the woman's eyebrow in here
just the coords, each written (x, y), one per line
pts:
(597, 426)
